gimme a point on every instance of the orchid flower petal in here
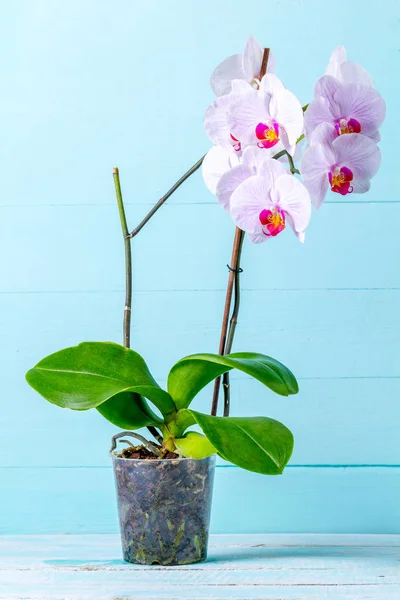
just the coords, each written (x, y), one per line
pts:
(271, 169)
(314, 169)
(258, 238)
(229, 182)
(253, 156)
(362, 103)
(324, 136)
(262, 164)
(287, 111)
(215, 120)
(351, 72)
(216, 162)
(318, 111)
(240, 86)
(294, 199)
(376, 136)
(290, 148)
(359, 153)
(246, 66)
(244, 115)
(347, 71)
(326, 86)
(252, 58)
(338, 57)
(270, 84)
(360, 187)
(247, 201)
(268, 168)
(222, 76)
(216, 116)
(301, 236)
(271, 67)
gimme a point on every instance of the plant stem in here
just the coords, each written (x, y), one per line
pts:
(231, 330)
(292, 166)
(128, 254)
(128, 260)
(128, 276)
(233, 279)
(279, 154)
(164, 198)
(237, 244)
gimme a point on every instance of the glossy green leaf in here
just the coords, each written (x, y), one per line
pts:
(128, 410)
(85, 376)
(194, 445)
(189, 375)
(257, 444)
(182, 420)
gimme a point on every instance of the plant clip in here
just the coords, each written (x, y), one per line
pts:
(240, 270)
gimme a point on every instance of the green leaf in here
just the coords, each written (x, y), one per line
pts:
(85, 376)
(257, 444)
(189, 375)
(128, 410)
(182, 420)
(194, 445)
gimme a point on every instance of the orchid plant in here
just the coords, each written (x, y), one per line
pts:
(257, 127)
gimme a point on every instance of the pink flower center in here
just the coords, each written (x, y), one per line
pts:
(347, 126)
(340, 179)
(272, 220)
(268, 134)
(235, 143)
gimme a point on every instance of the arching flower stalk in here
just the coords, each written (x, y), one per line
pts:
(255, 119)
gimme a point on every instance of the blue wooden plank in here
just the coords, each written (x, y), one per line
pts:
(67, 107)
(346, 421)
(79, 248)
(238, 567)
(65, 124)
(343, 370)
(331, 500)
(30, 550)
(316, 333)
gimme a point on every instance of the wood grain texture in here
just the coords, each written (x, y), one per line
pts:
(78, 249)
(328, 308)
(318, 334)
(239, 566)
(303, 499)
(347, 421)
(343, 367)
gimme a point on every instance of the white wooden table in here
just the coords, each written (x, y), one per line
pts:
(278, 567)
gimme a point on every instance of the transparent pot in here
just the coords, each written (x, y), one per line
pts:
(164, 509)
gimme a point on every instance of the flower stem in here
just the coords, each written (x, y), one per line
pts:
(128, 253)
(128, 275)
(232, 329)
(236, 250)
(164, 198)
(128, 261)
(293, 169)
(292, 166)
(226, 338)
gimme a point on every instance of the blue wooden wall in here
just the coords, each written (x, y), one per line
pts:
(89, 85)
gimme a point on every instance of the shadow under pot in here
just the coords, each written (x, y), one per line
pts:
(164, 509)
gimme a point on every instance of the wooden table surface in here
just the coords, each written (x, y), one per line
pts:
(278, 567)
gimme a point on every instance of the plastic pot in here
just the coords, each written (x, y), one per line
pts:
(164, 509)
